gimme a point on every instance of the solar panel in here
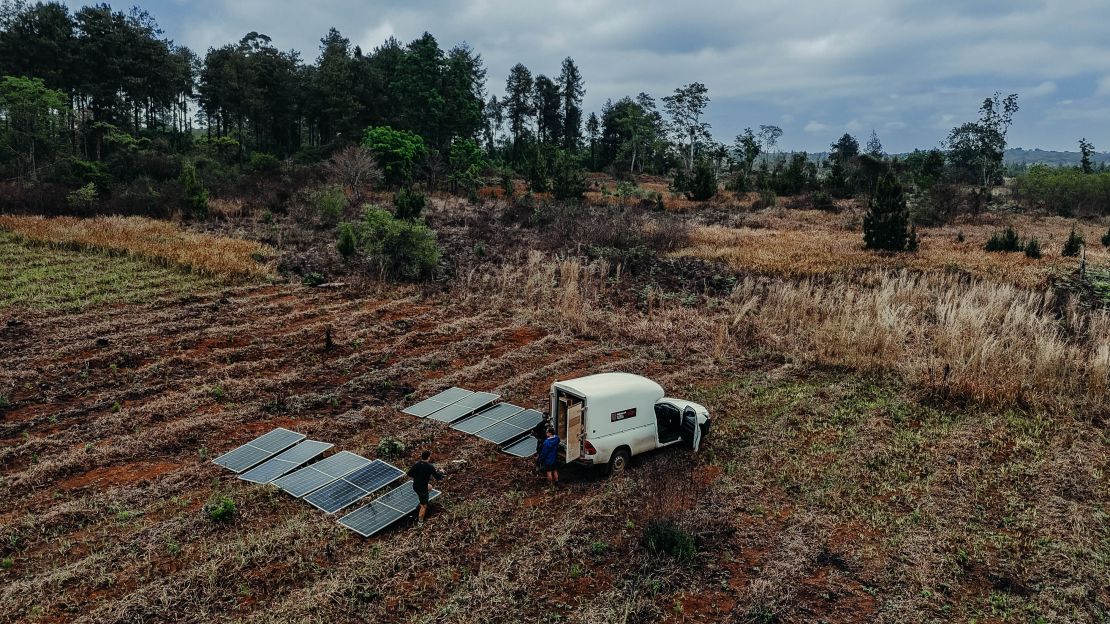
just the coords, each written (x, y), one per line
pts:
(501, 432)
(285, 462)
(524, 447)
(258, 450)
(479, 399)
(473, 424)
(526, 419)
(323, 472)
(375, 476)
(384, 511)
(501, 411)
(354, 486)
(437, 402)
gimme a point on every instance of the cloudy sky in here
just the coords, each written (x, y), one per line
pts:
(909, 69)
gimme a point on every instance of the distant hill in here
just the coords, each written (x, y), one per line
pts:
(1020, 156)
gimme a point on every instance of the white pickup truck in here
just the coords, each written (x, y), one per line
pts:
(605, 419)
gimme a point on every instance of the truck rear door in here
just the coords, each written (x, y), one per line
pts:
(575, 412)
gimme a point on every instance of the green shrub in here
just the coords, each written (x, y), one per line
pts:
(406, 249)
(666, 538)
(1033, 249)
(767, 199)
(221, 509)
(1006, 240)
(703, 185)
(507, 184)
(390, 448)
(7, 563)
(196, 196)
(347, 244)
(329, 202)
(399, 152)
(886, 225)
(83, 197)
(1073, 245)
(1064, 190)
(408, 204)
(313, 279)
(1106, 239)
(569, 179)
(261, 162)
(821, 200)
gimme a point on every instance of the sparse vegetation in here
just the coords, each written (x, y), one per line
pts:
(220, 509)
(667, 538)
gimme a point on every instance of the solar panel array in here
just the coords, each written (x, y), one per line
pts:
(335, 482)
(259, 450)
(474, 413)
(285, 462)
(384, 511)
(524, 447)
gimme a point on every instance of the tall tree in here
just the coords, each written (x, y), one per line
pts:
(685, 107)
(572, 88)
(593, 132)
(874, 146)
(1086, 150)
(33, 116)
(976, 148)
(746, 149)
(334, 81)
(547, 103)
(518, 106)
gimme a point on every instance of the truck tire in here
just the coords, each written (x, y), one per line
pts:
(618, 461)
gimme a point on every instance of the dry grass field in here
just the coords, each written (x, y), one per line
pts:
(158, 241)
(923, 445)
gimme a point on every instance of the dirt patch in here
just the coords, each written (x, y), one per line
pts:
(126, 474)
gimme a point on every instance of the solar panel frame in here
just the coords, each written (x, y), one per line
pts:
(258, 450)
(524, 447)
(377, 516)
(285, 462)
(501, 432)
(307, 480)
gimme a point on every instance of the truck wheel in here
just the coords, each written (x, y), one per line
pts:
(618, 462)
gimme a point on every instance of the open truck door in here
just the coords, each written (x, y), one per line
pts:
(691, 431)
(574, 431)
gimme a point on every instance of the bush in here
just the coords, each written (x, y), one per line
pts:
(569, 178)
(1064, 190)
(703, 186)
(398, 152)
(82, 198)
(347, 244)
(408, 204)
(821, 200)
(767, 199)
(220, 510)
(329, 202)
(1007, 240)
(886, 225)
(666, 538)
(1033, 249)
(406, 249)
(261, 162)
(196, 196)
(1106, 239)
(1073, 245)
(390, 448)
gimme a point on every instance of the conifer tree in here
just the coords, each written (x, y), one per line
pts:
(886, 225)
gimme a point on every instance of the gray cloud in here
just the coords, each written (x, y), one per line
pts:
(910, 69)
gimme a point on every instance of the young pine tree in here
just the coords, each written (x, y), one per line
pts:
(886, 226)
(347, 244)
(1106, 239)
(1073, 245)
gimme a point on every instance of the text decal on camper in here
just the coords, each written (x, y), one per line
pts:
(621, 415)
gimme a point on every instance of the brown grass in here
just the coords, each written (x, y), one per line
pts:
(814, 243)
(161, 242)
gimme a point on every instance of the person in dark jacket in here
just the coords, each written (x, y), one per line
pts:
(422, 472)
(549, 455)
(539, 432)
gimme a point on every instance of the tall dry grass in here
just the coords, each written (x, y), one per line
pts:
(161, 242)
(996, 344)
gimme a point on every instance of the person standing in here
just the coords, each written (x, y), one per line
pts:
(539, 432)
(422, 472)
(549, 455)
